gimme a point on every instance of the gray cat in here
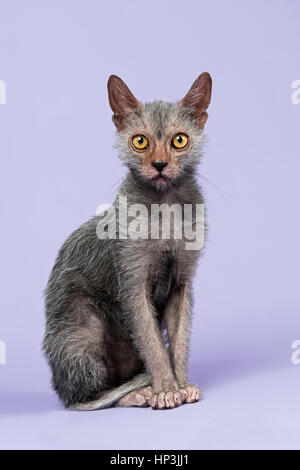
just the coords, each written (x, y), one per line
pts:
(110, 299)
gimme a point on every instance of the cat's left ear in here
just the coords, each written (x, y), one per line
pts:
(121, 100)
(197, 100)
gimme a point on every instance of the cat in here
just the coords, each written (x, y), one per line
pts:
(109, 300)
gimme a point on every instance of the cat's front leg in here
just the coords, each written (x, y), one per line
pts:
(178, 320)
(149, 342)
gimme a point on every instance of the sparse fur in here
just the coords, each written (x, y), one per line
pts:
(109, 301)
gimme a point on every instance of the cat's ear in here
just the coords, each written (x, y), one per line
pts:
(197, 100)
(121, 101)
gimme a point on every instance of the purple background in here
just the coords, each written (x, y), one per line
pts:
(58, 164)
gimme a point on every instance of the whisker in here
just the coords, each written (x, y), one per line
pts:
(114, 187)
(207, 180)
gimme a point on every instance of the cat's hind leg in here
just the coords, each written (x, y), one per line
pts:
(92, 367)
(75, 349)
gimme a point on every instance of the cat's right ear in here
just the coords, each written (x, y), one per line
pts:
(122, 102)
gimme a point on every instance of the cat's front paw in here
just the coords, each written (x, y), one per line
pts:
(190, 393)
(166, 397)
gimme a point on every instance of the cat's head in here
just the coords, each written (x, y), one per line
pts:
(160, 142)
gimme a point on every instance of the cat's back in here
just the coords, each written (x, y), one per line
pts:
(84, 253)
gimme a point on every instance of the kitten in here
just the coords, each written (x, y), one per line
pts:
(108, 300)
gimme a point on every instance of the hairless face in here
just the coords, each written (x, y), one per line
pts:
(160, 142)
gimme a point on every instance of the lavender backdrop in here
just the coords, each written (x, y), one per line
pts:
(58, 164)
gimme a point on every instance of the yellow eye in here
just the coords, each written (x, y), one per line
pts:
(140, 142)
(180, 141)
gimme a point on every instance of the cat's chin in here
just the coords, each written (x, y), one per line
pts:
(161, 183)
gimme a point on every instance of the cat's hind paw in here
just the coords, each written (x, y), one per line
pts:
(140, 398)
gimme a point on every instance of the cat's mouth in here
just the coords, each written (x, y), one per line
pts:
(160, 177)
(161, 180)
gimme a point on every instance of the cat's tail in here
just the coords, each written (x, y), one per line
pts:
(109, 397)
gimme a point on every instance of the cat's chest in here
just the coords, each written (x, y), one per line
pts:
(163, 277)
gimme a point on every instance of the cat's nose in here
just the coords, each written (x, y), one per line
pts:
(159, 165)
